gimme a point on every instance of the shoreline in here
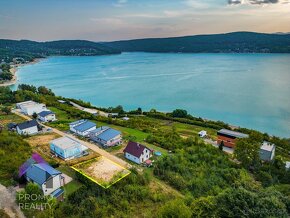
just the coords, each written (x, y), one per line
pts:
(14, 69)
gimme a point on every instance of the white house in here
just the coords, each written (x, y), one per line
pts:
(27, 128)
(267, 151)
(82, 127)
(46, 116)
(67, 148)
(202, 134)
(31, 107)
(137, 153)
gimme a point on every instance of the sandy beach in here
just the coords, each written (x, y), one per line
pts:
(13, 70)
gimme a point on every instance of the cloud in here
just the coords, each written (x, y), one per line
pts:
(120, 3)
(256, 2)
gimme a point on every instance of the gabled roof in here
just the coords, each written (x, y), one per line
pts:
(135, 149)
(27, 124)
(39, 173)
(109, 134)
(233, 133)
(45, 113)
(99, 130)
(84, 126)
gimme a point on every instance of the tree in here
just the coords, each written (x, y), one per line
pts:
(34, 115)
(179, 113)
(45, 91)
(6, 110)
(247, 152)
(139, 110)
(175, 209)
(221, 145)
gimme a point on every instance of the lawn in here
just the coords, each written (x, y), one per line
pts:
(71, 187)
(10, 118)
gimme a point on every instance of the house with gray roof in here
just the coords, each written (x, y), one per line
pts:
(267, 151)
(27, 128)
(67, 148)
(106, 136)
(48, 179)
(82, 127)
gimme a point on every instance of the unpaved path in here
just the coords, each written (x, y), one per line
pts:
(87, 144)
(7, 202)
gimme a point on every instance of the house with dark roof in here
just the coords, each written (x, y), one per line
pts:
(48, 179)
(229, 137)
(137, 153)
(27, 128)
(82, 127)
(46, 116)
(267, 151)
(106, 136)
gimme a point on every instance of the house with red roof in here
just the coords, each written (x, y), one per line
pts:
(137, 153)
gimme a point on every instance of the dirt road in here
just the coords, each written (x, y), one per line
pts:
(87, 144)
(8, 204)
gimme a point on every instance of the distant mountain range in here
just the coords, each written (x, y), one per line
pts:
(29, 50)
(237, 42)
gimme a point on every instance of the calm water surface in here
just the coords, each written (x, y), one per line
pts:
(250, 90)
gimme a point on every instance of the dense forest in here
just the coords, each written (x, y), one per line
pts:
(25, 50)
(237, 42)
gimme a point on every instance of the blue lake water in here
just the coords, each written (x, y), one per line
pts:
(249, 90)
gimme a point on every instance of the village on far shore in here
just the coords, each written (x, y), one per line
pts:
(85, 137)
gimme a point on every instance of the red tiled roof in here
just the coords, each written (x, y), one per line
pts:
(135, 149)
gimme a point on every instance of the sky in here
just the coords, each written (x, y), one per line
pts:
(109, 20)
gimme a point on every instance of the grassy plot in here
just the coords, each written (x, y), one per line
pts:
(10, 118)
(102, 171)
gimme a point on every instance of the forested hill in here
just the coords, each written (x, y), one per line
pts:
(28, 50)
(237, 42)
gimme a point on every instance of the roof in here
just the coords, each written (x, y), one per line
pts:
(100, 129)
(39, 173)
(29, 104)
(11, 125)
(233, 133)
(27, 124)
(65, 143)
(108, 134)
(267, 146)
(77, 122)
(58, 192)
(135, 149)
(85, 126)
(45, 113)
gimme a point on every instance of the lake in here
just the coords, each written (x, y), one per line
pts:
(248, 90)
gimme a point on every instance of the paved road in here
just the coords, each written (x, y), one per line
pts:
(87, 144)
(89, 110)
(7, 202)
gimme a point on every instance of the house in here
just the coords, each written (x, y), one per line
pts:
(202, 134)
(287, 165)
(27, 128)
(31, 107)
(82, 127)
(125, 118)
(229, 138)
(48, 179)
(67, 148)
(267, 151)
(46, 116)
(106, 136)
(137, 153)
